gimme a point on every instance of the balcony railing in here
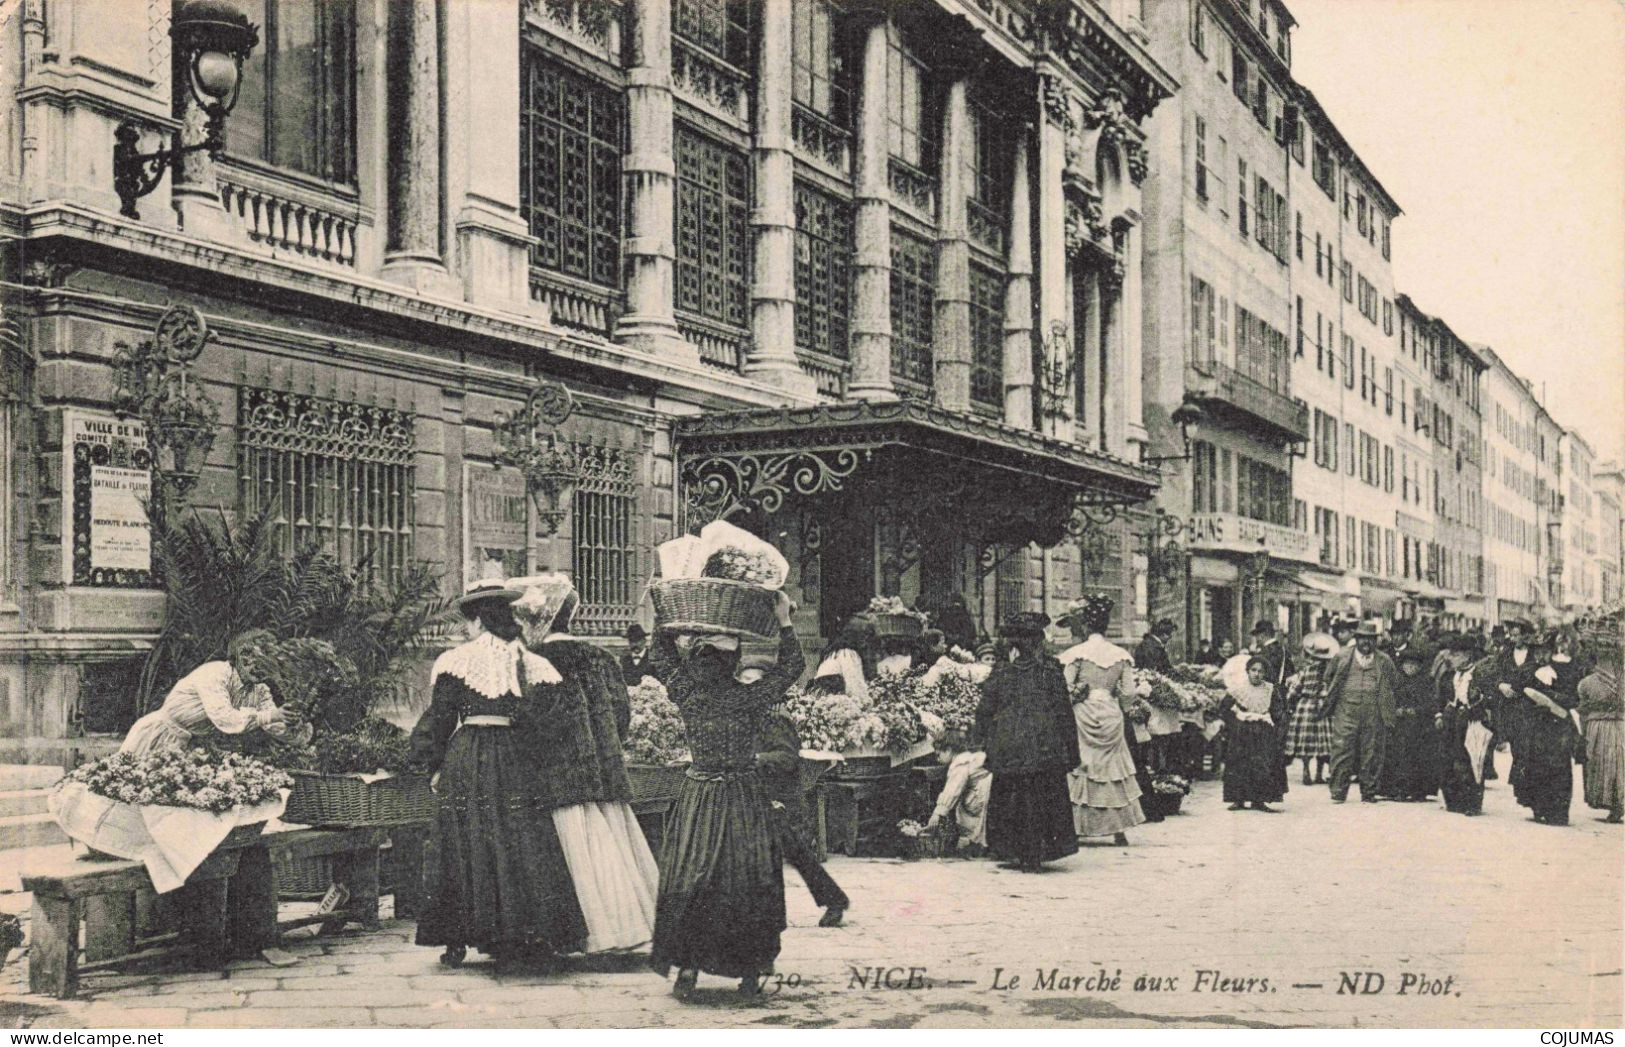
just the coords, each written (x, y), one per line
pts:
(574, 303)
(829, 373)
(291, 218)
(1227, 532)
(719, 345)
(1219, 383)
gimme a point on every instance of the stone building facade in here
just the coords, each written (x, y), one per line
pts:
(1218, 312)
(1448, 410)
(864, 277)
(1514, 585)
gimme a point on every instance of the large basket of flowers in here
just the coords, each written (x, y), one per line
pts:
(1168, 792)
(715, 605)
(655, 744)
(891, 617)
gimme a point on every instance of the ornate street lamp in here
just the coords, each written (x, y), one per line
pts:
(528, 440)
(153, 381)
(211, 39)
(1188, 413)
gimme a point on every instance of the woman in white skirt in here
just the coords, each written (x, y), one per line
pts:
(584, 786)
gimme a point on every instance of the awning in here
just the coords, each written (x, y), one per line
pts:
(1378, 596)
(1322, 590)
(1013, 483)
(1463, 607)
(1213, 571)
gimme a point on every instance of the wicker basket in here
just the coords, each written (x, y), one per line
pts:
(905, 626)
(926, 845)
(347, 801)
(715, 605)
(655, 781)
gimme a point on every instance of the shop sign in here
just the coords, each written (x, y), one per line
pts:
(107, 478)
(1239, 534)
(496, 515)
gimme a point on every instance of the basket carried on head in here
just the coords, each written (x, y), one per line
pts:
(906, 626)
(715, 605)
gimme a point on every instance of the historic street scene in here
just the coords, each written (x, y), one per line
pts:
(809, 513)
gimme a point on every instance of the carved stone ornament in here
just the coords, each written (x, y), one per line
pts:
(1134, 154)
(1095, 216)
(1057, 97)
(1076, 229)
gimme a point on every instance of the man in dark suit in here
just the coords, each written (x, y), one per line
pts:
(1361, 701)
(1152, 653)
(779, 765)
(635, 659)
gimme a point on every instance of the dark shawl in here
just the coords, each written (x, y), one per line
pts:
(1025, 718)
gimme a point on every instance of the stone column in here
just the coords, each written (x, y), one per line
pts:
(1133, 381)
(1095, 304)
(413, 252)
(950, 328)
(772, 356)
(649, 248)
(483, 91)
(871, 276)
(1056, 100)
(1018, 296)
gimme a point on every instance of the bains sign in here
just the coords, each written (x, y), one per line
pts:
(1228, 532)
(107, 481)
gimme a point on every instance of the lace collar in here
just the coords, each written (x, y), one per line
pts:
(488, 665)
(1096, 649)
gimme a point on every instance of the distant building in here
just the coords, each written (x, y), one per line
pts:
(1514, 585)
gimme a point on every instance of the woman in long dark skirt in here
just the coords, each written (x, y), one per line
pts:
(1412, 760)
(1254, 763)
(495, 875)
(1025, 725)
(1549, 735)
(721, 903)
(1463, 723)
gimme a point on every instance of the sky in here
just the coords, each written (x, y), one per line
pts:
(1499, 127)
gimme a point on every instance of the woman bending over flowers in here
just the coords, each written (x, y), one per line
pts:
(224, 696)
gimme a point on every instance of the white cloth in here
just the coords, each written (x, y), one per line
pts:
(1253, 703)
(170, 841)
(846, 664)
(210, 695)
(1096, 649)
(615, 875)
(964, 795)
(489, 664)
(894, 664)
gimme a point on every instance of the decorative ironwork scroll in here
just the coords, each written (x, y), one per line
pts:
(717, 487)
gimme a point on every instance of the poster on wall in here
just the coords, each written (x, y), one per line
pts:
(107, 482)
(497, 523)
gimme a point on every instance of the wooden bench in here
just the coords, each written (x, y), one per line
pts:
(91, 915)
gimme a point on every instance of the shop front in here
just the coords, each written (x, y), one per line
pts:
(1244, 571)
(903, 498)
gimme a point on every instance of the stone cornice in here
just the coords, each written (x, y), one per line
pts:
(387, 305)
(1081, 34)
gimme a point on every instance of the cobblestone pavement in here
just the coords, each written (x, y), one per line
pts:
(1491, 921)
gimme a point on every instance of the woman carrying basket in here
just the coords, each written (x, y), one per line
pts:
(721, 903)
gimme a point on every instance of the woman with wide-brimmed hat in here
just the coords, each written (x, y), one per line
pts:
(495, 874)
(1309, 734)
(1024, 722)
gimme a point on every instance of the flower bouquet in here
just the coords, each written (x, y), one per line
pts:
(721, 581)
(656, 745)
(921, 842)
(168, 809)
(1168, 792)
